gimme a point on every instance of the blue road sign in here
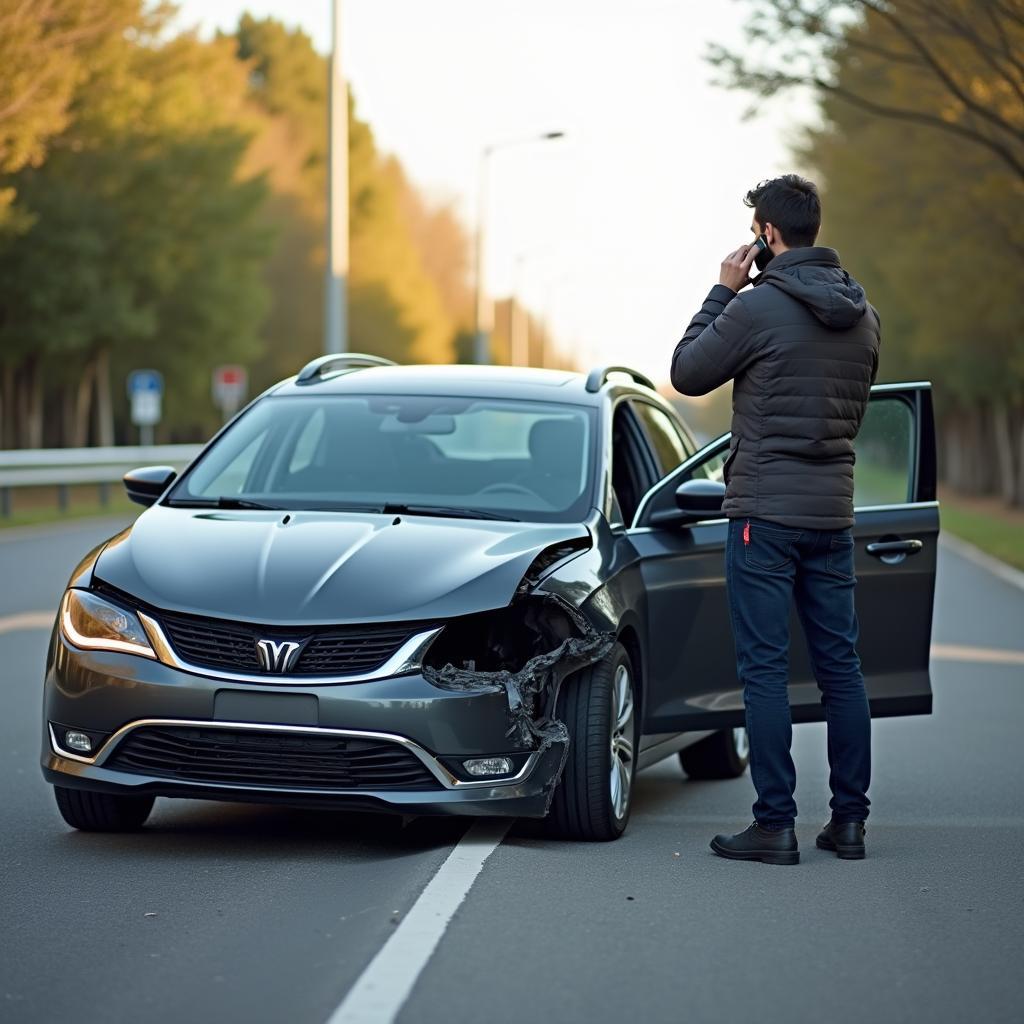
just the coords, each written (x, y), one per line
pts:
(151, 381)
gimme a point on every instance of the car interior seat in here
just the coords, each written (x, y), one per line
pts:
(556, 461)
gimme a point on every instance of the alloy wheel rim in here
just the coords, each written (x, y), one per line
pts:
(620, 778)
(741, 742)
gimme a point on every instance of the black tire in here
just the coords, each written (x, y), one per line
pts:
(719, 756)
(583, 806)
(102, 812)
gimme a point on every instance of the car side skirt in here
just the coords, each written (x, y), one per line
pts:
(881, 707)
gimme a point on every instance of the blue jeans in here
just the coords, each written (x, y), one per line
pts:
(768, 566)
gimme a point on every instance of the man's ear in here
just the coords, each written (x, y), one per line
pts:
(771, 234)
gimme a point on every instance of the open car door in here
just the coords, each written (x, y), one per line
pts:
(692, 677)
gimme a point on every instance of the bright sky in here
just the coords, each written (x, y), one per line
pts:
(616, 232)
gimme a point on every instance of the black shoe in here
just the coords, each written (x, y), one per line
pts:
(843, 838)
(756, 843)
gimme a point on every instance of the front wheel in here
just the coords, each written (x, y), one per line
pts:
(102, 812)
(723, 755)
(598, 705)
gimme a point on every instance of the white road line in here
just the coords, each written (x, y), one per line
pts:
(990, 655)
(382, 989)
(26, 620)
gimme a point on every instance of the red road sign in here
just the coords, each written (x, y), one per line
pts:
(230, 385)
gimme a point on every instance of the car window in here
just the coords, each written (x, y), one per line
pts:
(524, 460)
(883, 472)
(228, 474)
(669, 447)
(307, 443)
(712, 468)
(629, 479)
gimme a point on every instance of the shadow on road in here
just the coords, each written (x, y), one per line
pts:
(181, 830)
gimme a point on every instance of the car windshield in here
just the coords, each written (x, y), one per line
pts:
(415, 454)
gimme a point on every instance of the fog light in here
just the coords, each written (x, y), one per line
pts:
(488, 766)
(77, 741)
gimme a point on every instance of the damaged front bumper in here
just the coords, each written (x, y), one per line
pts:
(532, 691)
(141, 713)
(527, 796)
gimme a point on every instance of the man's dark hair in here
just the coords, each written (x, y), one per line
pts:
(791, 205)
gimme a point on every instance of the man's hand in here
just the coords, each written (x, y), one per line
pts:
(735, 272)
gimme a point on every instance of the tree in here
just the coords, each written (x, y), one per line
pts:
(46, 47)
(444, 248)
(171, 207)
(961, 63)
(395, 306)
(144, 246)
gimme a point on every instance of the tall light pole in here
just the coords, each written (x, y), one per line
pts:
(336, 283)
(484, 307)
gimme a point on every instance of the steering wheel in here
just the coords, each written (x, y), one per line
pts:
(508, 487)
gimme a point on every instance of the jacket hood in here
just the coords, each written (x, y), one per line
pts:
(813, 276)
(322, 568)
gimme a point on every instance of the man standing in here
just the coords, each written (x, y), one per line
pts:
(802, 350)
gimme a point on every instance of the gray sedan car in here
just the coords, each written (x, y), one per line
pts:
(461, 590)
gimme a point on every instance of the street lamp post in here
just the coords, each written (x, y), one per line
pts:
(484, 307)
(336, 279)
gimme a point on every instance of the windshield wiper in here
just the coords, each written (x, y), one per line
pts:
(222, 502)
(445, 512)
(340, 507)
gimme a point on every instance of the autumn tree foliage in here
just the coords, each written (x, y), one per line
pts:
(162, 204)
(47, 48)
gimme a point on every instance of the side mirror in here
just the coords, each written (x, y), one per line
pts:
(695, 500)
(700, 499)
(145, 485)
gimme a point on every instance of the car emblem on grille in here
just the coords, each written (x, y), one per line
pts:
(277, 656)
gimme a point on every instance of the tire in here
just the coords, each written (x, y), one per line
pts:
(102, 812)
(590, 804)
(723, 755)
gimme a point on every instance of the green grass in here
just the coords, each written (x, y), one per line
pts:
(996, 535)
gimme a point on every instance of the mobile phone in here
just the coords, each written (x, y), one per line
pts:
(764, 254)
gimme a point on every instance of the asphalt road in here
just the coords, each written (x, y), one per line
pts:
(231, 913)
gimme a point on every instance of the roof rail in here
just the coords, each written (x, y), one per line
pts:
(597, 377)
(314, 370)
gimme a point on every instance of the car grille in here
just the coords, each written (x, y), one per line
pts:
(253, 758)
(332, 650)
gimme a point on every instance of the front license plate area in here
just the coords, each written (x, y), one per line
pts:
(266, 708)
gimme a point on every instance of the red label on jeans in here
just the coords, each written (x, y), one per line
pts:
(746, 533)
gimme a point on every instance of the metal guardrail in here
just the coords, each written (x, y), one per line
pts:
(64, 467)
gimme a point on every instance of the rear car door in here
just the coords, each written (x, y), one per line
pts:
(692, 676)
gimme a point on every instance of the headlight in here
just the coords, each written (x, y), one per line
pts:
(87, 620)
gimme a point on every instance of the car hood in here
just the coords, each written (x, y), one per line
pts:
(322, 567)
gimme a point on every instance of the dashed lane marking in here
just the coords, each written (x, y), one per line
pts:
(26, 620)
(382, 989)
(986, 655)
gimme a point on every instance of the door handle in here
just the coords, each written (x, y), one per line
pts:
(894, 550)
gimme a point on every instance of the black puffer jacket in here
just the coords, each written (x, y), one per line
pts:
(802, 347)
